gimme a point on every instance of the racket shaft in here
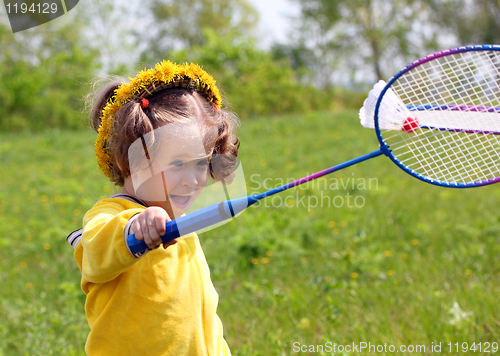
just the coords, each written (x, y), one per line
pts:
(319, 174)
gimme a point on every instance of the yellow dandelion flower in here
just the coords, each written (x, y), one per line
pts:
(124, 91)
(304, 323)
(29, 285)
(468, 272)
(387, 253)
(23, 265)
(414, 242)
(354, 275)
(47, 246)
(264, 260)
(255, 261)
(269, 253)
(332, 224)
(390, 272)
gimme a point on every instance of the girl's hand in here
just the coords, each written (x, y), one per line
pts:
(149, 226)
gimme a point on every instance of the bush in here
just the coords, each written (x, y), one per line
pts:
(42, 89)
(253, 82)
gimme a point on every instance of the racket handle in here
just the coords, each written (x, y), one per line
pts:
(195, 221)
(136, 246)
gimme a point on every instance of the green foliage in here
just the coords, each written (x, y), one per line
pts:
(471, 22)
(415, 264)
(180, 24)
(360, 34)
(44, 77)
(255, 83)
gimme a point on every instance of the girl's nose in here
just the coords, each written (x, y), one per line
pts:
(190, 178)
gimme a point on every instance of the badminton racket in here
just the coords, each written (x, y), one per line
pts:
(459, 150)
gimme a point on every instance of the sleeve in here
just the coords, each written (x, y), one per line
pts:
(105, 254)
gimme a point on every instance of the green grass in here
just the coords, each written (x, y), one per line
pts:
(387, 271)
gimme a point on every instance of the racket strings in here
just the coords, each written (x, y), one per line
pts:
(460, 95)
(441, 161)
(433, 160)
(434, 152)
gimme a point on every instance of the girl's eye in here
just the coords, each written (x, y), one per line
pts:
(203, 163)
(176, 163)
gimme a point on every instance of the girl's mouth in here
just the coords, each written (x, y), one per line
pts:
(181, 201)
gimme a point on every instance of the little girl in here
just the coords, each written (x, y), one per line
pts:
(161, 301)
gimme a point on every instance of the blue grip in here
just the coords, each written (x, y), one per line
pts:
(136, 246)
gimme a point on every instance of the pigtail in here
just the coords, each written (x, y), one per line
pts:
(97, 100)
(131, 122)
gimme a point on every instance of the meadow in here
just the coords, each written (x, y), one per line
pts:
(365, 255)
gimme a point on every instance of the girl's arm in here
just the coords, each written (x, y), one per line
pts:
(103, 248)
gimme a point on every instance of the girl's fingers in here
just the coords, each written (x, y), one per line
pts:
(169, 243)
(136, 229)
(160, 222)
(153, 234)
(150, 227)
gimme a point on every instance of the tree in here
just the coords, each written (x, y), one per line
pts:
(180, 24)
(468, 21)
(253, 82)
(348, 36)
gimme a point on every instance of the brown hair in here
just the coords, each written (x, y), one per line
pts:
(132, 122)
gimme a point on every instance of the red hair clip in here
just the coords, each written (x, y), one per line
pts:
(216, 108)
(144, 103)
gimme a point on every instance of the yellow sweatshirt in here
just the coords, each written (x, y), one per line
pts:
(162, 303)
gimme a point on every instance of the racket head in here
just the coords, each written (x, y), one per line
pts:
(459, 89)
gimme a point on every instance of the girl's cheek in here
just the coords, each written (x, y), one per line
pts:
(203, 177)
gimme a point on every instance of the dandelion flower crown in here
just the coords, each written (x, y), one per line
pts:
(164, 75)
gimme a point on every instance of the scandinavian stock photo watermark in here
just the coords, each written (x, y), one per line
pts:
(446, 347)
(335, 192)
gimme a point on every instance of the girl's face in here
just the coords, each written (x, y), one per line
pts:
(174, 168)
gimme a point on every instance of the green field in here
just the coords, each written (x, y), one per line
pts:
(391, 260)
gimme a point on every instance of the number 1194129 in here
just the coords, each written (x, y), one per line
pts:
(24, 8)
(474, 347)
